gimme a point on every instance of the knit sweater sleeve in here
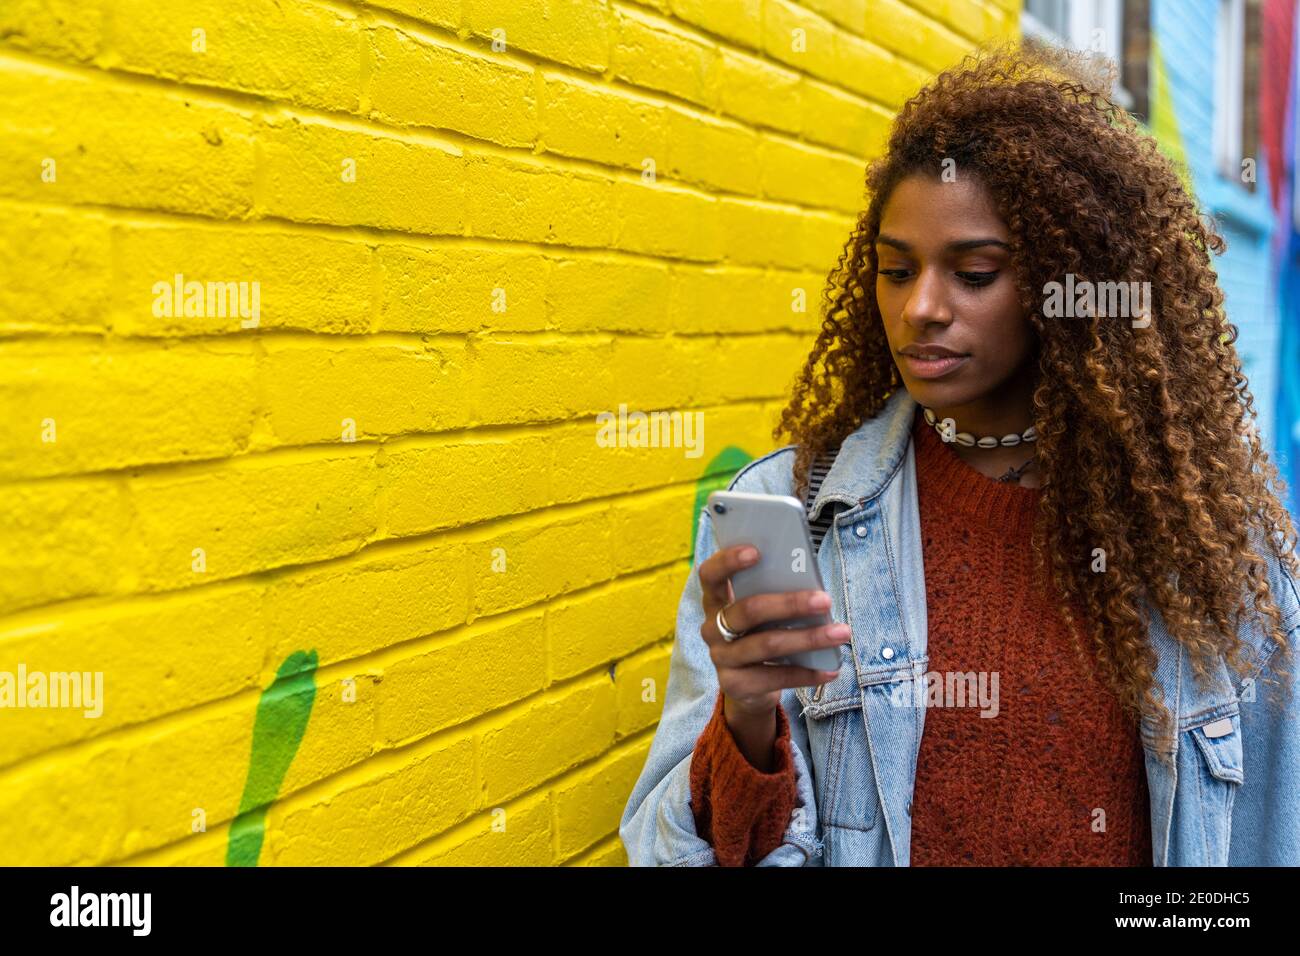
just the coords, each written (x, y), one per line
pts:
(740, 810)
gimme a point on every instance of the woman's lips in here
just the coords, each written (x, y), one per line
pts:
(935, 367)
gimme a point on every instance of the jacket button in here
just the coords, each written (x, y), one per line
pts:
(887, 653)
(909, 808)
(861, 531)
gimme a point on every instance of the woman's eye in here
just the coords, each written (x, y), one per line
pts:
(970, 278)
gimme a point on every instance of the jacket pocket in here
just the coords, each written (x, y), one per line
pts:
(1220, 771)
(845, 784)
(1220, 744)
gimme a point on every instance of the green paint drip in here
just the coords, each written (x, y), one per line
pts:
(282, 714)
(717, 474)
(1164, 127)
(1164, 119)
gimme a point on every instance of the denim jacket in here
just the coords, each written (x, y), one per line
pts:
(1226, 792)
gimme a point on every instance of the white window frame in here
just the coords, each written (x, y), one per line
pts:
(1229, 86)
(1084, 18)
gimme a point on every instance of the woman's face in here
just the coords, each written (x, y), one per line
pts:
(946, 279)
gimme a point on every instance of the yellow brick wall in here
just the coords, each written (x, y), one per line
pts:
(429, 641)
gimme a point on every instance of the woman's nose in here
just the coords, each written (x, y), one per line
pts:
(928, 300)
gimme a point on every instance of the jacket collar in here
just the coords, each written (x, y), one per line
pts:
(868, 457)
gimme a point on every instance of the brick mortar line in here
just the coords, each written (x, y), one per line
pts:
(372, 236)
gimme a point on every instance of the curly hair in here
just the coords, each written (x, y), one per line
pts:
(1147, 445)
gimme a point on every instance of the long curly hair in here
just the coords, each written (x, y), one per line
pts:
(1147, 442)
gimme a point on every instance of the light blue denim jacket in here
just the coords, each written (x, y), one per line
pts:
(1226, 793)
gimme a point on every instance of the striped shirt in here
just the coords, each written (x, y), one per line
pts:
(820, 466)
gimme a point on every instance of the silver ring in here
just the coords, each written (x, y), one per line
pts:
(727, 633)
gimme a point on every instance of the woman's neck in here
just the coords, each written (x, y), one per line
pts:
(1009, 414)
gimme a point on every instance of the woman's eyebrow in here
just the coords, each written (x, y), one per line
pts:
(961, 246)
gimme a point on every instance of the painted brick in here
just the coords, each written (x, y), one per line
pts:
(354, 607)
(151, 784)
(796, 173)
(599, 293)
(314, 392)
(660, 219)
(547, 738)
(710, 300)
(252, 516)
(302, 177)
(179, 402)
(589, 807)
(653, 54)
(532, 573)
(845, 14)
(62, 539)
(376, 811)
(66, 274)
(574, 32)
(720, 154)
(589, 121)
(65, 29)
(908, 32)
(460, 680)
(298, 52)
(582, 469)
(606, 624)
(469, 92)
(304, 280)
(798, 37)
(157, 658)
(759, 91)
(736, 20)
(534, 202)
(517, 834)
(609, 852)
(842, 120)
(117, 144)
(460, 288)
(640, 683)
(428, 487)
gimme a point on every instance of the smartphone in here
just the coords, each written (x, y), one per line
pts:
(778, 527)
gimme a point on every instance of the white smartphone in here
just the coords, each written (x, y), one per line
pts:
(778, 527)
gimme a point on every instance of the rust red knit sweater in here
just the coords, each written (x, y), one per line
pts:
(1057, 778)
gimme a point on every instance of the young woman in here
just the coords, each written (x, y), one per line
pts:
(1064, 582)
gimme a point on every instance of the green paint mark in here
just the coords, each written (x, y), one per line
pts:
(1165, 127)
(282, 714)
(717, 474)
(1164, 120)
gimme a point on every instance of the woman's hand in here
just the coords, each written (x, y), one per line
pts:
(751, 689)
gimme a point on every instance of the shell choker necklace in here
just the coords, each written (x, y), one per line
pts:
(968, 440)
